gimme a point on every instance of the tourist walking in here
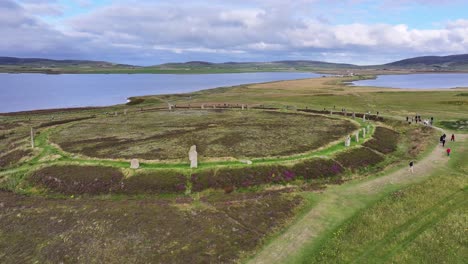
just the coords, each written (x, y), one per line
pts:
(448, 151)
(443, 142)
(411, 166)
(452, 138)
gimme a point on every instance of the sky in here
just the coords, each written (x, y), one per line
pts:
(153, 32)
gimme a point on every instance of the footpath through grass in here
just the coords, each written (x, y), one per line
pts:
(423, 223)
(302, 241)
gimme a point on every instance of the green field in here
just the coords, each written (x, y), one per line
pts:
(306, 197)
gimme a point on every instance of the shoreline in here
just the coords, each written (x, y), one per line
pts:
(129, 100)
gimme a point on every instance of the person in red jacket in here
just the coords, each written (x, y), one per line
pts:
(452, 138)
(448, 151)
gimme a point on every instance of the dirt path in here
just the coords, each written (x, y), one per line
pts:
(339, 203)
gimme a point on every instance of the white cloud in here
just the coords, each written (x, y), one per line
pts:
(267, 30)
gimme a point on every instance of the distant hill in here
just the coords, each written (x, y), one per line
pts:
(287, 64)
(426, 63)
(48, 62)
(452, 61)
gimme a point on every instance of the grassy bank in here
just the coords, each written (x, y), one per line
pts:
(421, 223)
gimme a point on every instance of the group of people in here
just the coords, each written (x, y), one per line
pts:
(442, 141)
(417, 118)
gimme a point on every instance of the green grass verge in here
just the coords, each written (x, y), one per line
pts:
(422, 223)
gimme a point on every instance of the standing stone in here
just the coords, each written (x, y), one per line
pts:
(354, 115)
(368, 129)
(357, 136)
(115, 113)
(193, 156)
(242, 107)
(331, 112)
(364, 118)
(363, 132)
(134, 164)
(348, 141)
(203, 106)
(32, 137)
(169, 107)
(214, 106)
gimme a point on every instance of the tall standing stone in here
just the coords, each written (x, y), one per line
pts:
(368, 129)
(115, 113)
(169, 107)
(357, 136)
(134, 164)
(348, 141)
(364, 117)
(331, 112)
(354, 115)
(193, 156)
(32, 137)
(364, 132)
(203, 106)
(242, 107)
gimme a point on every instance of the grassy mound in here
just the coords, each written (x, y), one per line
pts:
(419, 139)
(13, 157)
(384, 140)
(461, 124)
(78, 179)
(358, 158)
(95, 180)
(155, 182)
(267, 174)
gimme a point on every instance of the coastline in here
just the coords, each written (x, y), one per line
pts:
(128, 100)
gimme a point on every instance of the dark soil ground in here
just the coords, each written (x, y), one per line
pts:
(216, 230)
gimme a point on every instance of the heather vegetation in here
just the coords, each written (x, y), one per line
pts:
(274, 181)
(163, 135)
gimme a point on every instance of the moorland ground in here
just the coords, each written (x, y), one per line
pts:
(58, 205)
(162, 135)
